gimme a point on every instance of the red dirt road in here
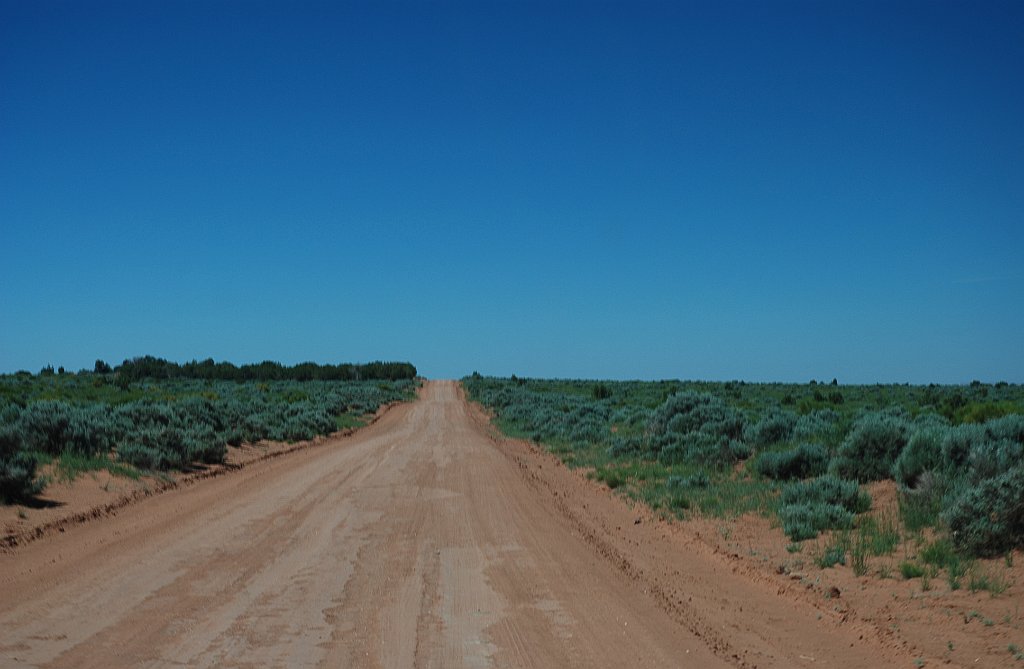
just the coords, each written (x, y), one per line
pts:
(420, 541)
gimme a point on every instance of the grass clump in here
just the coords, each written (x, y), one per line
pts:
(699, 479)
(911, 570)
(859, 553)
(834, 552)
(613, 477)
(991, 581)
(70, 465)
(347, 421)
(881, 534)
(920, 508)
(940, 553)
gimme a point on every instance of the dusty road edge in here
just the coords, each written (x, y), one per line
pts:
(531, 460)
(10, 543)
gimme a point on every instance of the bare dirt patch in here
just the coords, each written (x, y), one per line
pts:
(933, 621)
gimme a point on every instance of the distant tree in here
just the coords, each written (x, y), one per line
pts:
(102, 367)
(148, 367)
(46, 371)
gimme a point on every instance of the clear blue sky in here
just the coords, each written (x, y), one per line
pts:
(738, 190)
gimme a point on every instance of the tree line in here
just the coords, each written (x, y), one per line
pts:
(150, 367)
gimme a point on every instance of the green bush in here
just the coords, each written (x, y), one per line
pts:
(45, 426)
(991, 458)
(805, 521)
(958, 443)
(17, 468)
(824, 503)
(923, 453)
(706, 449)
(827, 490)
(52, 427)
(988, 519)
(821, 424)
(804, 461)
(774, 427)
(739, 450)
(871, 448)
(688, 412)
(142, 456)
(1009, 427)
(625, 447)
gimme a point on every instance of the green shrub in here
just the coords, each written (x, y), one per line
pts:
(824, 503)
(45, 426)
(922, 453)
(143, 457)
(819, 424)
(805, 521)
(706, 449)
(980, 412)
(801, 462)
(874, 443)
(17, 468)
(827, 490)
(1009, 427)
(774, 427)
(687, 412)
(991, 458)
(52, 427)
(958, 443)
(988, 519)
(739, 450)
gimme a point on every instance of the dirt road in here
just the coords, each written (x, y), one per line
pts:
(421, 541)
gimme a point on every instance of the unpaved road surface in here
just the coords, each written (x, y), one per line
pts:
(421, 541)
